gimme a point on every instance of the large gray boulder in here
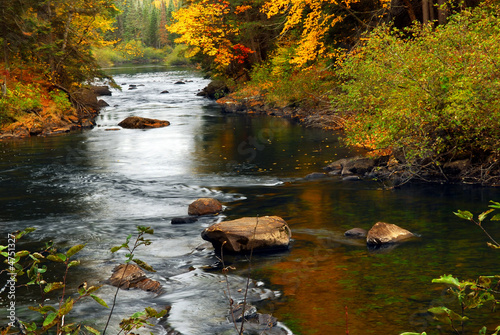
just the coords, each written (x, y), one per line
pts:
(384, 233)
(268, 233)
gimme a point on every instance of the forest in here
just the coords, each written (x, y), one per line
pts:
(417, 81)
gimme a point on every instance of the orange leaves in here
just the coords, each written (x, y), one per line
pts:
(241, 9)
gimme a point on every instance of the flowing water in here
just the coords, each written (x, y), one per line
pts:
(96, 186)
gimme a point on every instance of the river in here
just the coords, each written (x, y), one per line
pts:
(96, 186)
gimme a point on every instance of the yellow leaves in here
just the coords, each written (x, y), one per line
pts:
(313, 19)
(205, 28)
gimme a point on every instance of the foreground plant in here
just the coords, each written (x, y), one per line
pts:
(139, 319)
(26, 268)
(31, 267)
(470, 294)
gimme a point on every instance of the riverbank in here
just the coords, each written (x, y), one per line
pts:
(52, 116)
(389, 167)
(319, 117)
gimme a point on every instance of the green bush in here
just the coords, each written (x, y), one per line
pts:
(176, 56)
(284, 85)
(431, 92)
(19, 99)
(108, 56)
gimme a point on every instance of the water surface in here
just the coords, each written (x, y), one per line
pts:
(96, 186)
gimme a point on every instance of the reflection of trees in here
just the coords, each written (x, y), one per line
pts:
(383, 291)
(250, 144)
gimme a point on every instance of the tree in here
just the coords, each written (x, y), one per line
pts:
(230, 36)
(433, 97)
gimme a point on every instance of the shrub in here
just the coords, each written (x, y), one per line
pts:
(284, 85)
(176, 56)
(107, 56)
(19, 99)
(431, 92)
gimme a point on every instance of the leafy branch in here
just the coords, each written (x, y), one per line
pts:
(466, 215)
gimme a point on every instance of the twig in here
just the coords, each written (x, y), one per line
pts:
(248, 276)
(228, 294)
(120, 283)
(346, 321)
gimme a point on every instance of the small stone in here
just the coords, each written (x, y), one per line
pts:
(184, 220)
(356, 233)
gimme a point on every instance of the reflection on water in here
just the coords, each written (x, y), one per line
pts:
(96, 186)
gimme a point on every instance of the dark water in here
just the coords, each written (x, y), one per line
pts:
(96, 186)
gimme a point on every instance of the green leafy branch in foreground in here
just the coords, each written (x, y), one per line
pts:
(469, 293)
(466, 215)
(32, 267)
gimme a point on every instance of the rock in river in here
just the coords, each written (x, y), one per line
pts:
(205, 206)
(136, 122)
(130, 275)
(383, 233)
(266, 233)
(356, 233)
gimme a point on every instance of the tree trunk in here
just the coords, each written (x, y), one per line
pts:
(441, 12)
(411, 12)
(431, 10)
(425, 11)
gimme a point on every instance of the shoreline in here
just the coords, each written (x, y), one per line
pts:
(41, 123)
(392, 169)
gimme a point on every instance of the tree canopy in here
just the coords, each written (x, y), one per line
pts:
(56, 36)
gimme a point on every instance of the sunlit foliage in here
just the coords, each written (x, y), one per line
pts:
(434, 95)
(313, 19)
(207, 28)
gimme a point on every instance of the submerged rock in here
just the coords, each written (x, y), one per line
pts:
(184, 220)
(384, 233)
(205, 206)
(315, 175)
(356, 233)
(137, 122)
(255, 323)
(128, 276)
(268, 233)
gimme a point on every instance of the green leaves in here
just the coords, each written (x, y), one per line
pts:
(50, 320)
(59, 258)
(99, 300)
(92, 330)
(144, 265)
(446, 315)
(427, 95)
(73, 250)
(53, 286)
(466, 215)
(447, 279)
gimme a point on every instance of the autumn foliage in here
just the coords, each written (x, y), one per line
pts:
(431, 94)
